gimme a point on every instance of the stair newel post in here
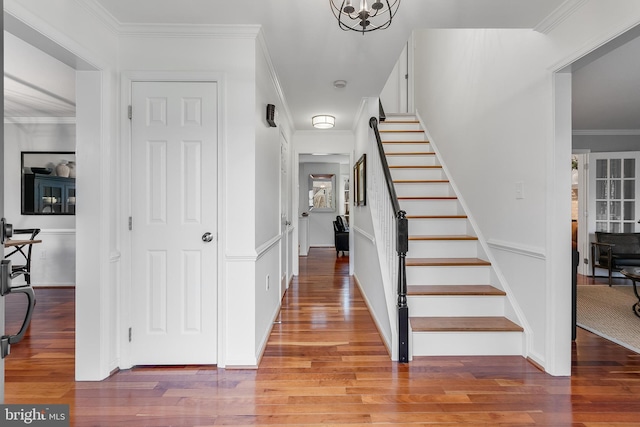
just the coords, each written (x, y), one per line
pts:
(402, 247)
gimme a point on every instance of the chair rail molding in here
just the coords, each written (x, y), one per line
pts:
(528, 251)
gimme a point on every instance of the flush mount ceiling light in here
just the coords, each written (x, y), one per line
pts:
(365, 19)
(323, 121)
(340, 84)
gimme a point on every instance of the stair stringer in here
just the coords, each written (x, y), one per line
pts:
(513, 311)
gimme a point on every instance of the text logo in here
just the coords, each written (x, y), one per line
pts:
(35, 415)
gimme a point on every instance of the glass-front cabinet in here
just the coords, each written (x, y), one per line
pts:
(49, 195)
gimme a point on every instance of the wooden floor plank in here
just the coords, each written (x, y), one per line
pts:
(324, 365)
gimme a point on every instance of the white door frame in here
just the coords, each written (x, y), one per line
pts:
(93, 257)
(558, 256)
(125, 303)
(583, 226)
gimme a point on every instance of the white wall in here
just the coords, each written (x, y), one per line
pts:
(65, 30)
(602, 143)
(54, 260)
(268, 204)
(488, 105)
(318, 142)
(320, 223)
(26, 63)
(367, 261)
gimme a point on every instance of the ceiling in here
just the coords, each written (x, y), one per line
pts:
(606, 92)
(309, 52)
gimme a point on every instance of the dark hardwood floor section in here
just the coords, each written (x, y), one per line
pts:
(324, 365)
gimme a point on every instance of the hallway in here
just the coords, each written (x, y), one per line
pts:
(324, 365)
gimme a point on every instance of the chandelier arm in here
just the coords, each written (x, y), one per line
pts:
(365, 25)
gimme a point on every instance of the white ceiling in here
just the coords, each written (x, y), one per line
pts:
(309, 52)
(606, 92)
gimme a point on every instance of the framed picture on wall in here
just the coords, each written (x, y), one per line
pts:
(48, 182)
(360, 181)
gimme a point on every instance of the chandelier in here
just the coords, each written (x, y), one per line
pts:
(365, 19)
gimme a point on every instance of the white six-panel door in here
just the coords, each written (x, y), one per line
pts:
(174, 173)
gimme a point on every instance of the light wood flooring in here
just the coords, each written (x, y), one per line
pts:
(324, 365)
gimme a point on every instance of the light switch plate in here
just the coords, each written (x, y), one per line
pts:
(519, 190)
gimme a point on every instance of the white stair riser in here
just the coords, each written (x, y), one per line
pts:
(408, 148)
(467, 343)
(398, 126)
(431, 207)
(443, 248)
(448, 275)
(418, 189)
(447, 306)
(430, 173)
(413, 160)
(402, 136)
(437, 227)
(400, 116)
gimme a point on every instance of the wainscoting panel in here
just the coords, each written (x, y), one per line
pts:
(53, 262)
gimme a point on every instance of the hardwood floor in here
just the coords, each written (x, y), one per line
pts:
(324, 365)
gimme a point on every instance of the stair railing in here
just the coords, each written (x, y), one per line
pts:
(391, 212)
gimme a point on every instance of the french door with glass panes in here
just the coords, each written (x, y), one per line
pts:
(613, 191)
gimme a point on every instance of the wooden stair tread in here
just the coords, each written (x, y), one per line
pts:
(446, 262)
(399, 121)
(416, 167)
(437, 217)
(405, 142)
(421, 181)
(463, 324)
(454, 290)
(427, 198)
(443, 237)
(413, 153)
(401, 130)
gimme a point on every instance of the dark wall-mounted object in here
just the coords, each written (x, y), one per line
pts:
(360, 181)
(271, 114)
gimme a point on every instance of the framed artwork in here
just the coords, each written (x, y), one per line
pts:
(360, 181)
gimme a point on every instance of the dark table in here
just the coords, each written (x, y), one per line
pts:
(633, 273)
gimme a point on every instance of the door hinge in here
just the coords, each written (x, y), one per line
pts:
(129, 334)
(130, 223)
(406, 76)
(130, 112)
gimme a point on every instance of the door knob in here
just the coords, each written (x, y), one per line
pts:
(207, 237)
(6, 231)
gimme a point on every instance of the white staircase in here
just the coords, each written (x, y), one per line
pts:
(454, 308)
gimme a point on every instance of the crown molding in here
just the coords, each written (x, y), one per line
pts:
(40, 120)
(166, 29)
(97, 10)
(274, 78)
(190, 30)
(608, 132)
(559, 15)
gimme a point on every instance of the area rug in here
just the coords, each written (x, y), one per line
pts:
(606, 311)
